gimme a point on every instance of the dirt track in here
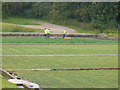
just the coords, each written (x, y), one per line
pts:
(54, 28)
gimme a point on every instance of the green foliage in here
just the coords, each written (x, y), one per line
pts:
(101, 15)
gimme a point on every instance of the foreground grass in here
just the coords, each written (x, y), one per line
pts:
(58, 49)
(6, 84)
(59, 62)
(73, 79)
(17, 28)
(56, 40)
(20, 20)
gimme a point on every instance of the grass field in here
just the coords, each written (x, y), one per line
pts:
(64, 79)
(58, 49)
(73, 79)
(60, 62)
(56, 40)
(59, 79)
(20, 20)
(7, 27)
(6, 84)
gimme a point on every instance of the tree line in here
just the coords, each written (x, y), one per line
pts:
(101, 14)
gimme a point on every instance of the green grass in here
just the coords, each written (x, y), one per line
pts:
(20, 20)
(59, 49)
(113, 35)
(84, 30)
(59, 62)
(56, 40)
(73, 79)
(64, 79)
(17, 28)
(1, 77)
(7, 84)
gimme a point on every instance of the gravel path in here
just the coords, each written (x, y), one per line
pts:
(69, 55)
(54, 28)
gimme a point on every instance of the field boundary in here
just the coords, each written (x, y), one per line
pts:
(88, 35)
(59, 43)
(66, 69)
(69, 55)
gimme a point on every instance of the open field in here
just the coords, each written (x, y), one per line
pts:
(64, 79)
(56, 40)
(86, 59)
(58, 49)
(57, 62)
(6, 84)
(73, 79)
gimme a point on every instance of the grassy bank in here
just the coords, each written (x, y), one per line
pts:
(17, 28)
(7, 84)
(56, 40)
(20, 20)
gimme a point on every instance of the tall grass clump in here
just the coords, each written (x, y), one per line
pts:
(17, 28)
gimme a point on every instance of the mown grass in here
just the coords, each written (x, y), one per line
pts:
(7, 84)
(66, 79)
(59, 49)
(20, 20)
(1, 77)
(17, 28)
(56, 40)
(57, 62)
(73, 79)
